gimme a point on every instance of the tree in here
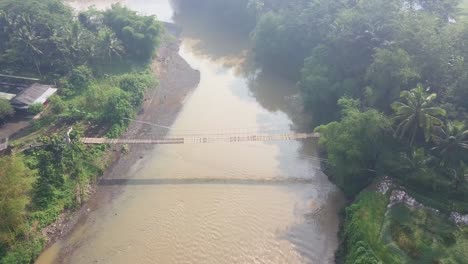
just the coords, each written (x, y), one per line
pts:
(109, 45)
(118, 109)
(50, 163)
(388, 75)
(451, 143)
(136, 84)
(415, 163)
(139, 34)
(16, 182)
(279, 43)
(354, 145)
(416, 114)
(458, 174)
(322, 85)
(33, 33)
(6, 110)
(81, 77)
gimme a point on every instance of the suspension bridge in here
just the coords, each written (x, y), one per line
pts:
(202, 139)
(271, 132)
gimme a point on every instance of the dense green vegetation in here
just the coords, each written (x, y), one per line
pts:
(364, 221)
(355, 145)
(47, 40)
(386, 84)
(375, 234)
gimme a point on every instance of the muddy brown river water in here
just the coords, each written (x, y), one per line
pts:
(215, 203)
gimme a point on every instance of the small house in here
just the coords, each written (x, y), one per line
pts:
(34, 94)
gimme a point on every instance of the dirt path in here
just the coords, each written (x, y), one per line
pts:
(162, 105)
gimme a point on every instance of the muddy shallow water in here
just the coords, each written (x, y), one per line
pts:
(215, 203)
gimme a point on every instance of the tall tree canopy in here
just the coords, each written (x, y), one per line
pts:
(354, 145)
(45, 37)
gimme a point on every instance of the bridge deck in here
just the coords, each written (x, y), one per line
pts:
(201, 139)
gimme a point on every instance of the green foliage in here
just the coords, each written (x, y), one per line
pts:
(6, 110)
(108, 45)
(320, 88)
(57, 104)
(16, 182)
(417, 114)
(118, 109)
(286, 32)
(139, 34)
(136, 84)
(40, 37)
(80, 77)
(451, 143)
(24, 252)
(425, 236)
(376, 51)
(375, 234)
(63, 171)
(36, 108)
(371, 50)
(45, 38)
(390, 72)
(273, 43)
(364, 220)
(354, 145)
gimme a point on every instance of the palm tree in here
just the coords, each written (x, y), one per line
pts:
(459, 175)
(109, 44)
(417, 161)
(452, 142)
(416, 113)
(25, 36)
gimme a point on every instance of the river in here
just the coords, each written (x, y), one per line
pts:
(215, 203)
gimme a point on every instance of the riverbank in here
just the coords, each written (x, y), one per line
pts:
(161, 106)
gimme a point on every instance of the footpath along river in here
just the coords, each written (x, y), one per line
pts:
(214, 203)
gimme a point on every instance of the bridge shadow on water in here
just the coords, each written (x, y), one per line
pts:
(200, 181)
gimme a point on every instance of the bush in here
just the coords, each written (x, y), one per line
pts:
(57, 104)
(118, 109)
(136, 84)
(36, 108)
(24, 252)
(6, 110)
(81, 77)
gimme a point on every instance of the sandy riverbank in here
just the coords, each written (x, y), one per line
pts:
(161, 106)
